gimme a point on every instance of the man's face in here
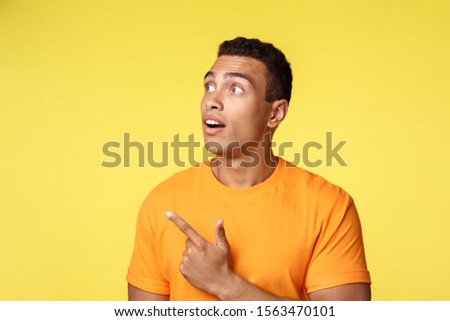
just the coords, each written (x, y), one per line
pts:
(233, 107)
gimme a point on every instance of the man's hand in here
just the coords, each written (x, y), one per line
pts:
(206, 266)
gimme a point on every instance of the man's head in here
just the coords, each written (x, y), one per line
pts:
(279, 73)
(246, 95)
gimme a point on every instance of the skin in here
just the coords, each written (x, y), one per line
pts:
(240, 104)
(235, 94)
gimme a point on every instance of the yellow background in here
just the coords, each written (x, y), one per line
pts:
(77, 74)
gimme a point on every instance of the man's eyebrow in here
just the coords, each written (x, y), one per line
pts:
(208, 74)
(239, 75)
(232, 75)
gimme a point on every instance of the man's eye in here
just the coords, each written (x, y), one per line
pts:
(237, 90)
(209, 87)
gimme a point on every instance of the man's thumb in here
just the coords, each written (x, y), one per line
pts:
(221, 239)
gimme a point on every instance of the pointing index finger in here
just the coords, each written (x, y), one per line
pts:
(185, 228)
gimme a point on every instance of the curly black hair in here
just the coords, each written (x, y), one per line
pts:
(279, 73)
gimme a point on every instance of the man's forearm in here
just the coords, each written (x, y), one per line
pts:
(238, 289)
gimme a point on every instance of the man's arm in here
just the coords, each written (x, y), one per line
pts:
(241, 290)
(346, 292)
(136, 294)
(207, 267)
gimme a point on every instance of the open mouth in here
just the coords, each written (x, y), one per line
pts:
(213, 123)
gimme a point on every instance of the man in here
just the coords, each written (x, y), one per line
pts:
(290, 234)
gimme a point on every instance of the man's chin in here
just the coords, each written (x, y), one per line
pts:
(214, 147)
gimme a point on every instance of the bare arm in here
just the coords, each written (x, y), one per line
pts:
(207, 267)
(136, 294)
(346, 292)
(238, 289)
(241, 290)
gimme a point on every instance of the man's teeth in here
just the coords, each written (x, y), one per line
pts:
(212, 122)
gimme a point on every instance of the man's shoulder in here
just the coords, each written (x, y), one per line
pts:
(176, 187)
(179, 181)
(312, 183)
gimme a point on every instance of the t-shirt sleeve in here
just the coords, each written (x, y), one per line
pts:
(338, 257)
(145, 271)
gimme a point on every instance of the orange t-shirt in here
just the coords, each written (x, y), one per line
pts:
(292, 234)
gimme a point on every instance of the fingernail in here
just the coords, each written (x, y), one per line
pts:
(169, 214)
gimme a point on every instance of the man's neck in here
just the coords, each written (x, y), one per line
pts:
(243, 172)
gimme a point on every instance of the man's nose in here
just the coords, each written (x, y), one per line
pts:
(214, 101)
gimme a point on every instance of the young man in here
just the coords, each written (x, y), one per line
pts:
(290, 234)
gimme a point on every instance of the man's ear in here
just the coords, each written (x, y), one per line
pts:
(279, 109)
